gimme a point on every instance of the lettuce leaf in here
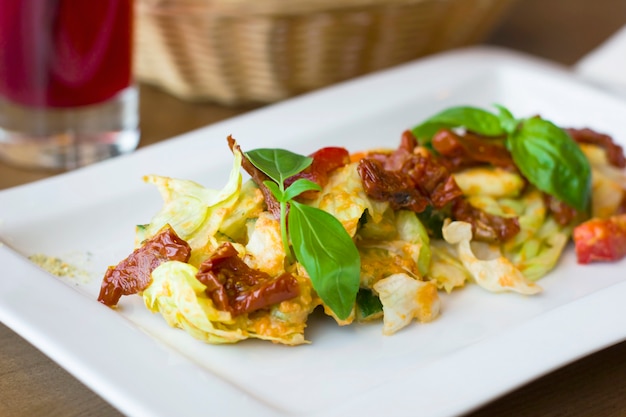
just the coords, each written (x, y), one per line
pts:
(496, 274)
(411, 229)
(406, 248)
(193, 211)
(249, 205)
(403, 299)
(446, 270)
(180, 298)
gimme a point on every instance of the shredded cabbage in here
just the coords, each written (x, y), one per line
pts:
(446, 270)
(496, 274)
(193, 211)
(180, 298)
(404, 299)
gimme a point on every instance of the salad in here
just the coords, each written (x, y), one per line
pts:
(468, 197)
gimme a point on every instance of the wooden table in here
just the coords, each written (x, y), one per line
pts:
(561, 30)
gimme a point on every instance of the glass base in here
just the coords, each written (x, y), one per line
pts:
(65, 139)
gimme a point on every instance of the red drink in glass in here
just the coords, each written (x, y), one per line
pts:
(66, 81)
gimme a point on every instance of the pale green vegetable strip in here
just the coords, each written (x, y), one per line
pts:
(530, 219)
(411, 229)
(550, 241)
(248, 206)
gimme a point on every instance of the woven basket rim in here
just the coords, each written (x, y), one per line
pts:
(262, 7)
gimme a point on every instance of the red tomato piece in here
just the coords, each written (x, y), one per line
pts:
(598, 240)
(325, 160)
(329, 158)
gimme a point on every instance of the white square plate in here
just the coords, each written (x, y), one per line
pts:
(482, 346)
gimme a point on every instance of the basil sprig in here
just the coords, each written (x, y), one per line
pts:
(471, 118)
(320, 242)
(552, 162)
(544, 153)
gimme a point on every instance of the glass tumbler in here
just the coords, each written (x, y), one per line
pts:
(67, 97)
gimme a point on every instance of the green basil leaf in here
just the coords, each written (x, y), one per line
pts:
(328, 254)
(278, 164)
(299, 186)
(278, 193)
(471, 118)
(552, 161)
(508, 122)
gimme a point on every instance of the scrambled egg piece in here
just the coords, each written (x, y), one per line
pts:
(489, 182)
(285, 323)
(264, 250)
(345, 198)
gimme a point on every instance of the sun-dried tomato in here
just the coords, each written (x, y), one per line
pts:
(485, 226)
(433, 179)
(408, 141)
(399, 158)
(393, 186)
(467, 150)
(325, 160)
(132, 275)
(408, 179)
(273, 206)
(562, 212)
(414, 179)
(235, 287)
(614, 152)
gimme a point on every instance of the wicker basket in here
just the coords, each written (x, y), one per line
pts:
(261, 51)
